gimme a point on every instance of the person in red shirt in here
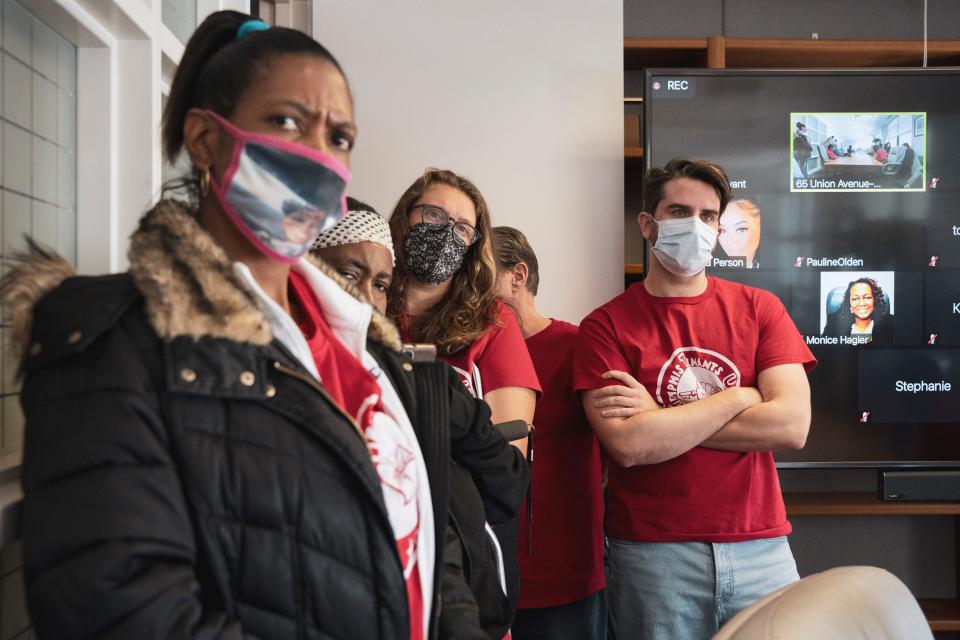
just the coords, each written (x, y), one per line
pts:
(561, 566)
(695, 515)
(444, 293)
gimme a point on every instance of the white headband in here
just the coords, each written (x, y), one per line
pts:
(357, 226)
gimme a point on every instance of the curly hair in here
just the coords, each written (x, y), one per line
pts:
(469, 307)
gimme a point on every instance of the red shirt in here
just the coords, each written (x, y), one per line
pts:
(561, 554)
(497, 359)
(358, 393)
(683, 349)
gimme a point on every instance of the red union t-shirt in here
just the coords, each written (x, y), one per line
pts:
(681, 350)
(495, 360)
(561, 554)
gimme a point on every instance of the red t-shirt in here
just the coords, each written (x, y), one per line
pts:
(683, 349)
(561, 554)
(497, 359)
(358, 393)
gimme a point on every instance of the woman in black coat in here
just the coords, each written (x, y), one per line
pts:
(186, 472)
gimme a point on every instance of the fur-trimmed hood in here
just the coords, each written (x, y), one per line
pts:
(185, 277)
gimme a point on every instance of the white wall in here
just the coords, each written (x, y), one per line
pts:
(524, 98)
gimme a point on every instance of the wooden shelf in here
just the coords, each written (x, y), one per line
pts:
(633, 269)
(943, 615)
(633, 153)
(861, 504)
(641, 53)
(721, 52)
(807, 54)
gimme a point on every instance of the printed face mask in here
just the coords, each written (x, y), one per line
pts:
(684, 245)
(281, 195)
(433, 255)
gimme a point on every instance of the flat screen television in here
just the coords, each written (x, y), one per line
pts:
(846, 188)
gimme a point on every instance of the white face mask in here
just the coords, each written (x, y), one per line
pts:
(684, 245)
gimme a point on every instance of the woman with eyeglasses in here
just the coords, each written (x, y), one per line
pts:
(444, 293)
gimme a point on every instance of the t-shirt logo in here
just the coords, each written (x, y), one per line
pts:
(692, 373)
(473, 383)
(465, 379)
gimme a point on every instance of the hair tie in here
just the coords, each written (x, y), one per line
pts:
(250, 26)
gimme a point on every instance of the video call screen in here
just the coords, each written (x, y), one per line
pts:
(846, 205)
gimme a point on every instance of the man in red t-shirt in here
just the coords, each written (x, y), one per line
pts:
(560, 547)
(713, 380)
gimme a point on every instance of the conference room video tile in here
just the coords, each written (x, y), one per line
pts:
(858, 151)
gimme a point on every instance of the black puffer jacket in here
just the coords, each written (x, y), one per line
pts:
(186, 478)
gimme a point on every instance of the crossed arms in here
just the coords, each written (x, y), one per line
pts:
(635, 430)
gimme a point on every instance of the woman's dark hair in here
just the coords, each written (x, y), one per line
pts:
(358, 205)
(217, 68)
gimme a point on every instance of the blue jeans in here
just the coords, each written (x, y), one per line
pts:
(584, 619)
(688, 590)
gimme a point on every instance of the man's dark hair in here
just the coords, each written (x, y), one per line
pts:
(511, 247)
(702, 170)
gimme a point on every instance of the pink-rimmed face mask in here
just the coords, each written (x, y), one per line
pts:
(281, 195)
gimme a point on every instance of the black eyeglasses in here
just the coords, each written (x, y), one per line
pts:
(436, 218)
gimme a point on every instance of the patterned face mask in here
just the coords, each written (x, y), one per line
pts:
(433, 255)
(279, 194)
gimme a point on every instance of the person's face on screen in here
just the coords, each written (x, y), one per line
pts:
(739, 232)
(861, 301)
(300, 229)
(682, 198)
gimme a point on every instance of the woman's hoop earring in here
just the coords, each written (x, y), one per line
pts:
(205, 182)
